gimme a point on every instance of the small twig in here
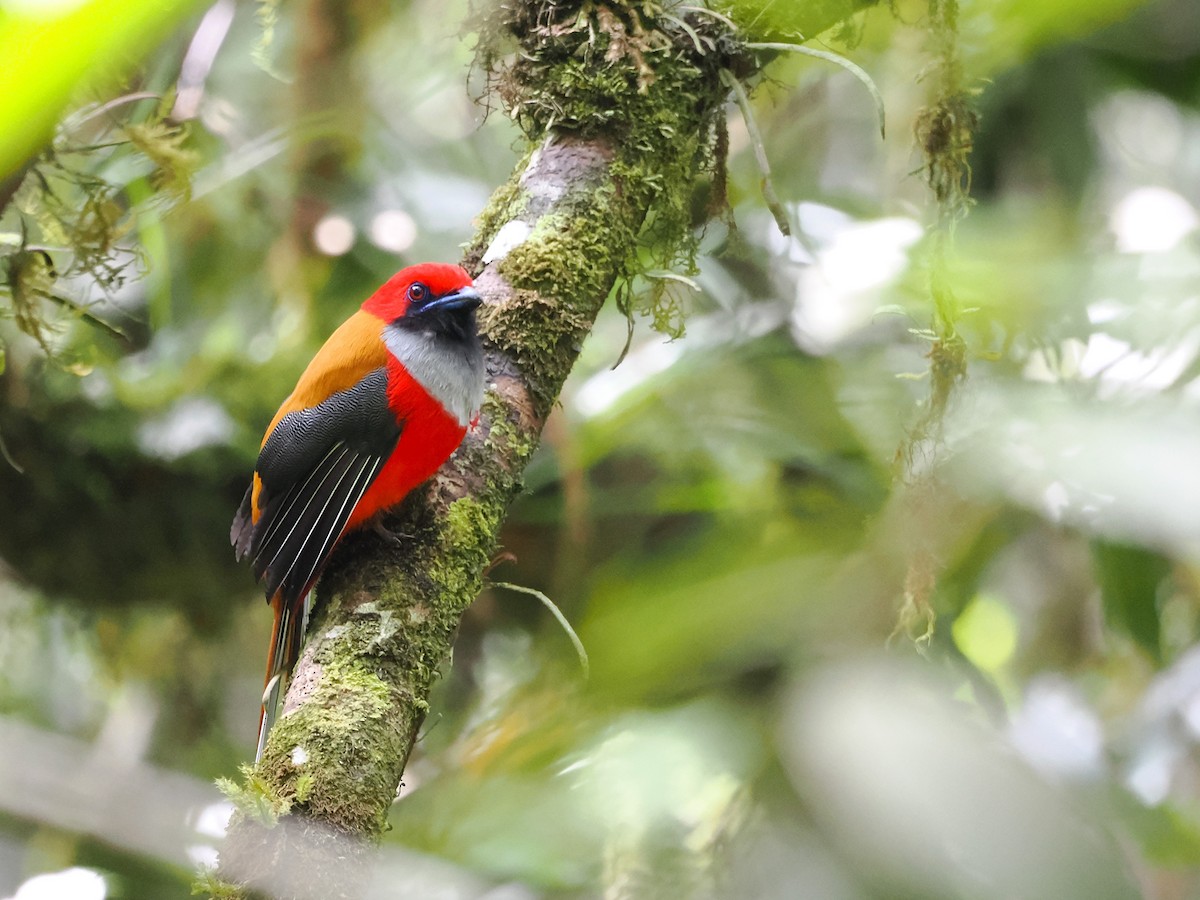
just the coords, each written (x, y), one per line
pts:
(557, 613)
(498, 560)
(838, 60)
(667, 275)
(83, 117)
(624, 298)
(760, 152)
(88, 316)
(690, 31)
(91, 148)
(704, 10)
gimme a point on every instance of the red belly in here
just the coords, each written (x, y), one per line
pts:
(429, 436)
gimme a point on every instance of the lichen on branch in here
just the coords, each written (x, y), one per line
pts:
(638, 76)
(944, 131)
(72, 222)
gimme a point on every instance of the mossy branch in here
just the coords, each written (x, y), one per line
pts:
(620, 104)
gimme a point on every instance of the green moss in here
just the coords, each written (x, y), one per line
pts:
(506, 439)
(451, 575)
(304, 786)
(572, 253)
(541, 336)
(312, 750)
(256, 800)
(469, 523)
(587, 98)
(626, 72)
(577, 62)
(208, 884)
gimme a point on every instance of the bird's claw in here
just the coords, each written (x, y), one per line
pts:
(399, 538)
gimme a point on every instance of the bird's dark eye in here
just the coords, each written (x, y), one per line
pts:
(417, 293)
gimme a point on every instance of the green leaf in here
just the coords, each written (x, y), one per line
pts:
(772, 20)
(49, 53)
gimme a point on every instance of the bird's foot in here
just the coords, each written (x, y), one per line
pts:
(399, 538)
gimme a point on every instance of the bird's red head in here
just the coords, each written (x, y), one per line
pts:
(426, 287)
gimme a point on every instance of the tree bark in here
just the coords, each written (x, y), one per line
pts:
(626, 147)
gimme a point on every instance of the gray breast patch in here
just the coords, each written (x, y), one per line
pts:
(451, 370)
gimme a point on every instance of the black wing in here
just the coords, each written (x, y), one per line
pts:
(315, 467)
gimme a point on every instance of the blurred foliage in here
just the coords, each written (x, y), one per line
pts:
(733, 521)
(52, 47)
